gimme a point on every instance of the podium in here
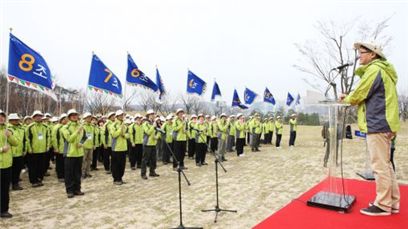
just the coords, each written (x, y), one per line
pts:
(333, 195)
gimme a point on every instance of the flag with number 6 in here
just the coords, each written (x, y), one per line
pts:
(102, 79)
(28, 68)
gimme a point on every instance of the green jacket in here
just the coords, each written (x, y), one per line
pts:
(278, 127)
(232, 129)
(106, 135)
(179, 130)
(240, 129)
(191, 132)
(19, 133)
(201, 136)
(57, 138)
(376, 97)
(293, 124)
(168, 128)
(6, 158)
(74, 139)
(119, 134)
(90, 135)
(222, 129)
(150, 136)
(136, 134)
(271, 126)
(213, 129)
(37, 137)
(97, 135)
(255, 126)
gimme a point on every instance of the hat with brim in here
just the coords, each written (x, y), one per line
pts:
(119, 113)
(27, 117)
(14, 116)
(179, 110)
(54, 119)
(223, 115)
(193, 116)
(72, 112)
(200, 115)
(86, 115)
(293, 115)
(62, 116)
(149, 112)
(377, 49)
(37, 113)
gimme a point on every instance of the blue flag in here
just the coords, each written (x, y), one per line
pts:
(136, 77)
(236, 102)
(195, 84)
(297, 100)
(215, 92)
(289, 100)
(249, 96)
(268, 97)
(102, 79)
(28, 68)
(160, 84)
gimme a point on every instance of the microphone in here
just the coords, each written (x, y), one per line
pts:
(343, 66)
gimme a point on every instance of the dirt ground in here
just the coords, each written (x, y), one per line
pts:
(256, 185)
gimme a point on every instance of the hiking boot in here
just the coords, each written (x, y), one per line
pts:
(70, 195)
(144, 177)
(154, 175)
(17, 188)
(5, 215)
(374, 211)
(79, 193)
(393, 210)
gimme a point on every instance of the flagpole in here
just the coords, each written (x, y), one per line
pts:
(7, 90)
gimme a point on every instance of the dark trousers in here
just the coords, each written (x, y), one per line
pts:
(179, 152)
(166, 152)
(214, 144)
(73, 173)
(18, 163)
(59, 165)
(106, 158)
(191, 147)
(278, 139)
(270, 137)
(240, 146)
(149, 157)
(95, 157)
(135, 156)
(5, 178)
(201, 151)
(36, 163)
(48, 156)
(118, 165)
(292, 138)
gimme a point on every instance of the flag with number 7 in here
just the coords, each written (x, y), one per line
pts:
(102, 79)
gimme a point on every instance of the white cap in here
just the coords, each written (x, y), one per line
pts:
(149, 112)
(48, 115)
(278, 117)
(110, 114)
(232, 116)
(37, 112)
(193, 116)
(71, 112)
(119, 112)
(200, 115)
(169, 117)
(239, 115)
(162, 118)
(207, 116)
(54, 119)
(128, 121)
(213, 118)
(13, 116)
(179, 110)
(137, 115)
(293, 115)
(223, 114)
(86, 115)
(62, 116)
(27, 117)
(2, 112)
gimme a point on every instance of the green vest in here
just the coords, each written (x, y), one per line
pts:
(90, 141)
(19, 133)
(119, 136)
(293, 125)
(37, 138)
(179, 130)
(6, 158)
(150, 136)
(240, 129)
(74, 140)
(136, 134)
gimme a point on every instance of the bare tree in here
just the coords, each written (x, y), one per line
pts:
(191, 103)
(333, 48)
(403, 106)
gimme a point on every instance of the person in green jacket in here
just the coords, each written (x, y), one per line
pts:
(240, 134)
(191, 137)
(231, 134)
(89, 144)
(119, 133)
(201, 140)
(150, 137)
(57, 140)
(37, 142)
(75, 137)
(255, 127)
(292, 131)
(7, 140)
(271, 124)
(168, 129)
(97, 151)
(213, 134)
(378, 116)
(136, 140)
(222, 126)
(107, 142)
(180, 139)
(18, 151)
(279, 131)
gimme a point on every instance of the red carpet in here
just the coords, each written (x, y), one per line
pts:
(300, 216)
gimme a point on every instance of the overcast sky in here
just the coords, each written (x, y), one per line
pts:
(239, 43)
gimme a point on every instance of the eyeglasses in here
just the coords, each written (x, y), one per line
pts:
(362, 52)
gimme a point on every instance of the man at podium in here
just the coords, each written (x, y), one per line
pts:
(377, 101)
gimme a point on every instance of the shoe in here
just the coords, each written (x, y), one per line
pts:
(123, 182)
(204, 163)
(36, 185)
(224, 159)
(117, 183)
(133, 168)
(139, 167)
(374, 211)
(144, 177)
(183, 168)
(79, 193)
(88, 175)
(154, 175)
(70, 195)
(198, 164)
(165, 163)
(393, 210)
(17, 188)
(5, 215)
(108, 172)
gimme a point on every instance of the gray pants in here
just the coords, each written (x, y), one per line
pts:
(86, 164)
(230, 142)
(221, 147)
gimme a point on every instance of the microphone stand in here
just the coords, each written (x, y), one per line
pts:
(179, 172)
(217, 208)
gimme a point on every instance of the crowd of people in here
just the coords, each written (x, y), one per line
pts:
(76, 144)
